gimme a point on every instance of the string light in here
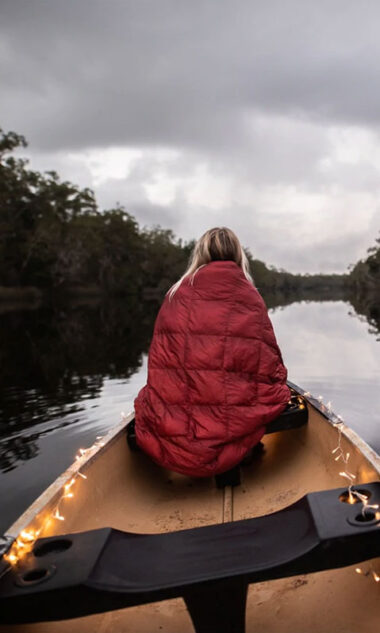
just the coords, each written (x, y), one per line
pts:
(58, 516)
(25, 541)
(339, 454)
(27, 536)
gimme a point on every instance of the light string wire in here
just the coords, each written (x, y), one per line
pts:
(25, 541)
(340, 455)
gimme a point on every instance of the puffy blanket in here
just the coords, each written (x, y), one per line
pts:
(215, 374)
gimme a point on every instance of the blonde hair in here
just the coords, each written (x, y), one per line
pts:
(219, 243)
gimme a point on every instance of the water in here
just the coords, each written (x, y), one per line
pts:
(67, 372)
(330, 351)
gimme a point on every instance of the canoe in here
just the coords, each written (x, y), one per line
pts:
(110, 486)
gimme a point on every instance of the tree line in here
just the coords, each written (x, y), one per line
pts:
(54, 237)
(365, 275)
(364, 287)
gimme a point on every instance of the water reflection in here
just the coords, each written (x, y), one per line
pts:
(67, 371)
(16, 449)
(55, 359)
(367, 306)
(331, 351)
(57, 356)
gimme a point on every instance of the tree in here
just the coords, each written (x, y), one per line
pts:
(36, 212)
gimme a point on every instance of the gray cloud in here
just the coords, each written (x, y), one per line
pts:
(253, 93)
(180, 73)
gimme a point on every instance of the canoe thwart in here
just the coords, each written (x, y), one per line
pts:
(294, 416)
(101, 570)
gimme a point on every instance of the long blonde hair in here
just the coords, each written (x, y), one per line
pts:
(219, 243)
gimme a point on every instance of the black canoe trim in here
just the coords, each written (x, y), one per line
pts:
(294, 416)
(210, 567)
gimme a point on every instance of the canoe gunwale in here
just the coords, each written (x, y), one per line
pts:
(332, 418)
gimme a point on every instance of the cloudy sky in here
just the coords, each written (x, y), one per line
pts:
(262, 115)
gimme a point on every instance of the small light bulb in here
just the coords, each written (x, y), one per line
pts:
(58, 516)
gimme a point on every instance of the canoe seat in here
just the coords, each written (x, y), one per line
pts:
(295, 415)
(211, 567)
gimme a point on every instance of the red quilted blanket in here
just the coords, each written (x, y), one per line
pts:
(215, 374)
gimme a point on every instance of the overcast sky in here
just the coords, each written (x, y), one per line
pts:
(261, 115)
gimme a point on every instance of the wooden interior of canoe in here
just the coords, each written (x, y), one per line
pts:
(127, 491)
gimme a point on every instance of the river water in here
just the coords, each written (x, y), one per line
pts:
(67, 373)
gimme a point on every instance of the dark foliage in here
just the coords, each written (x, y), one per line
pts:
(54, 237)
(365, 275)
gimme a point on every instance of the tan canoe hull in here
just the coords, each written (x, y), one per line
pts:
(127, 491)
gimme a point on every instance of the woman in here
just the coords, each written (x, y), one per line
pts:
(216, 376)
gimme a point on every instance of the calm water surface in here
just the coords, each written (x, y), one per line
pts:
(68, 372)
